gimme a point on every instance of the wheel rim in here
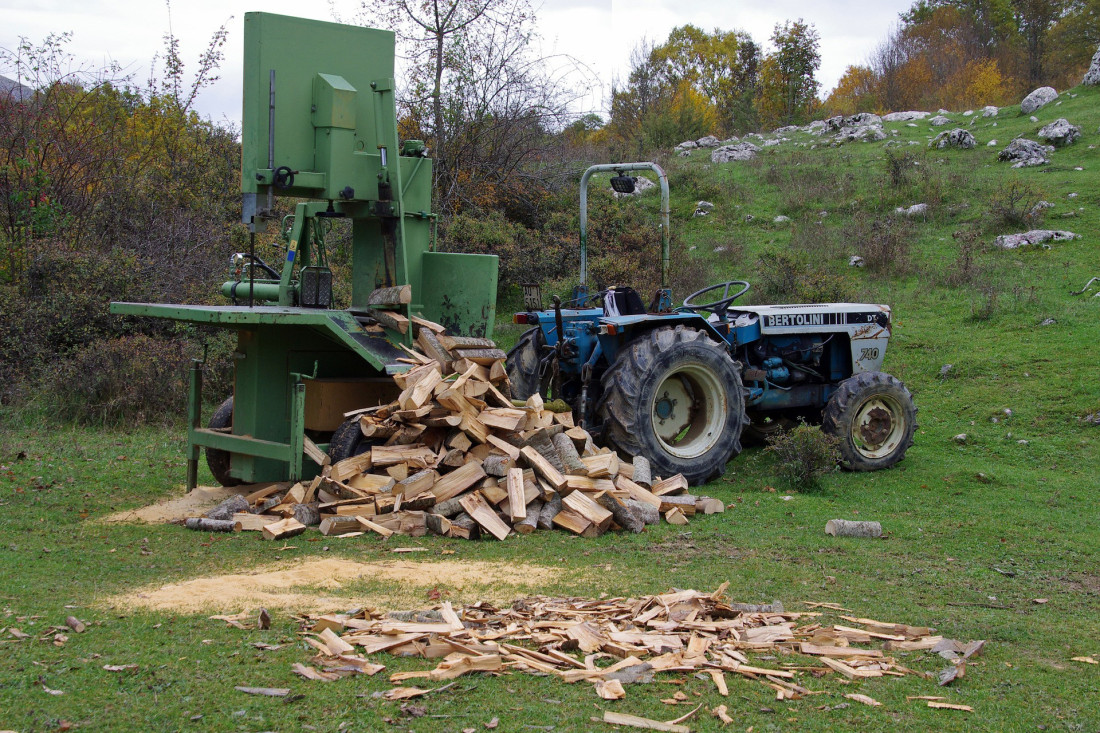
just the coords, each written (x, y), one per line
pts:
(879, 426)
(689, 411)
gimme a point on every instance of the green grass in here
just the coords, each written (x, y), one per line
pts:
(954, 514)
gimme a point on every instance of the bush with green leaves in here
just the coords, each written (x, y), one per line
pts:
(805, 454)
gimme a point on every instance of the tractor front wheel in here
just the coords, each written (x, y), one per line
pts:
(675, 397)
(219, 460)
(873, 416)
(523, 364)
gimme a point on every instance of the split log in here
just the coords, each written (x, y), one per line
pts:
(417, 483)
(482, 357)
(429, 344)
(648, 513)
(673, 485)
(570, 459)
(464, 527)
(450, 343)
(848, 528)
(543, 467)
(686, 504)
(707, 505)
(571, 521)
(477, 508)
(603, 465)
(579, 502)
(228, 508)
(390, 319)
(517, 504)
(643, 473)
(498, 466)
(334, 525)
(438, 524)
(550, 509)
(623, 514)
(308, 514)
(285, 529)
(542, 443)
(457, 481)
(636, 492)
(201, 524)
(448, 508)
(247, 522)
(396, 295)
(528, 524)
(675, 516)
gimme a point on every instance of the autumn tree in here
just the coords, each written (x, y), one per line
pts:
(855, 92)
(788, 77)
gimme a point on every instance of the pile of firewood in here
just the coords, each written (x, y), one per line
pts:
(455, 456)
(634, 639)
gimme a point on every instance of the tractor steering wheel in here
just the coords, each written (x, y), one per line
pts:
(717, 307)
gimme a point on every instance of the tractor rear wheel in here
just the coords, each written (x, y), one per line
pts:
(348, 441)
(523, 364)
(674, 396)
(219, 460)
(874, 417)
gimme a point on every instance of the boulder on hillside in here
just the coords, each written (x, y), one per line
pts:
(685, 145)
(861, 119)
(1024, 153)
(815, 128)
(957, 138)
(1092, 76)
(989, 111)
(863, 133)
(740, 151)
(787, 129)
(1034, 237)
(905, 116)
(939, 121)
(708, 141)
(1060, 133)
(1038, 99)
(914, 210)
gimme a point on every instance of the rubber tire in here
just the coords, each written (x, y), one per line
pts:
(523, 364)
(218, 460)
(757, 432)
(348, 441)
(844, 406)
(630, 386)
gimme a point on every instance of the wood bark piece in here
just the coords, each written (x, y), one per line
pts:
(482, 357)
(284, 529)
(396, 295)
(637, 492)
(202, 524)
(376, 528)
(477, 508)
(624, 515)
(499, 466)
(848, 528)
(643, 473)
(543, 467)
(451, 343)
(248, 522)
(448, 508)
(228, 508)
(429, 325)
(549, 510)
(529, 524)
(570, 459)
(648, 513)
(542, 442)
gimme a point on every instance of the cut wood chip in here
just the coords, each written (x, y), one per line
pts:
(264, 691)
(1086, 660)
(863, 699)
(634, 721)
(610, 689)
(949, 706)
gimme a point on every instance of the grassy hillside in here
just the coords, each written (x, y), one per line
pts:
(977, 532)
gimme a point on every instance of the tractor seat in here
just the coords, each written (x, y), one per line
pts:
(623, 301)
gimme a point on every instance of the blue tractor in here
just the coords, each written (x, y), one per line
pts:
(682, 385)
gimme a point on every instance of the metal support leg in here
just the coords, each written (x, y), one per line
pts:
(297, 429)
(194, 419)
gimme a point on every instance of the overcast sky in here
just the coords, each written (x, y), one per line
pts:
(600, 33)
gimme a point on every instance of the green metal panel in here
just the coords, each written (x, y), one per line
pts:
(460, 292)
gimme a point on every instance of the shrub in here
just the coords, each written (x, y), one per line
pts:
(788, 276)
(805, 454)
(1014, 205)
(130, 380)
(883, 244)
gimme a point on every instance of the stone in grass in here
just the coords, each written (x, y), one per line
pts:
(989, 111)
(728, 153)
(1023, 153)
(1092, 76)
(939, 121)
(1033, 238)
(1060, 133)
(957, 138)
(1038, 99)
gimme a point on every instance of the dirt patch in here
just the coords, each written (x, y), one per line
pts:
(192, 504)
(319, 585)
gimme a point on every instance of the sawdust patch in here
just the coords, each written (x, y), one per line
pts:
(194, 503)
(321, 584)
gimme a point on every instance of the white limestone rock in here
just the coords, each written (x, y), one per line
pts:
(1038, 99)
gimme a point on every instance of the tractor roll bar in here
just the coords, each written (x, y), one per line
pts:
(621, 168)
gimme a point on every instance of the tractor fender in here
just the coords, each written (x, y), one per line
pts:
(617, 331)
